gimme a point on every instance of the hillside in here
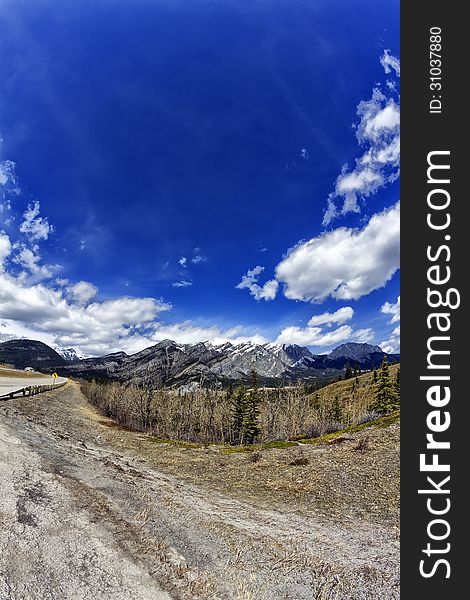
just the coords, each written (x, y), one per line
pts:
(352, 396)
(30, 353)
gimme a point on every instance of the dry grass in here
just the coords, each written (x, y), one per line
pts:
(7, 372)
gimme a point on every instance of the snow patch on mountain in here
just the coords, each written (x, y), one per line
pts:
(70, 354)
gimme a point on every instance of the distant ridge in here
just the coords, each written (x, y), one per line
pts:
(171, 364)
(29, 353)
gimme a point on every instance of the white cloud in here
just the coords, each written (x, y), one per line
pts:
(378, 132)
(182, 284)
(314, 336)
(392, 345)
(8, 183)
(34, 226)
(389, 62)
(364, 336)
(379, 122)
(189, 333)
(61, 281)
(126, 310)
(183, 261)
(199, 258)
(82, 292)
(95, 329)
(340, 316)
(5, 249)
(392, 309)
(4, 175)
(357, 181)
(345, 263)
(250, 281)
(29, 260)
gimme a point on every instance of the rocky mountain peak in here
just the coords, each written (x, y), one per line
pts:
(354, 350)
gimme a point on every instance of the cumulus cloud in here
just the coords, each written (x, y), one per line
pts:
(62, 281)
(34, 226)
(182, 284)
(29, 261)
(82, 292)
(97, 328)
(198, 258)
(340, 316)
(249, 281)
(314, 336)
(392, 344)
(183, 261)
(189, 333)
(378, 133)
(392, 309)
(364, 336)
(125, 323)
(5, 249)
(345, 263)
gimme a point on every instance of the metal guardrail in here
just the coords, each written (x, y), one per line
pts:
(32, 390)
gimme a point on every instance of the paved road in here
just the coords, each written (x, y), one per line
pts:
(14, 384)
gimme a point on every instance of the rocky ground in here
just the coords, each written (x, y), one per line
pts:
(89, 510)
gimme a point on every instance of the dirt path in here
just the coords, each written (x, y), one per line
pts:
(85, 512)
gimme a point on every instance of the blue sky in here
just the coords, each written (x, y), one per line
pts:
(199, 170)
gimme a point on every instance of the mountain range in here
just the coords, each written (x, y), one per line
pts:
(171, 364)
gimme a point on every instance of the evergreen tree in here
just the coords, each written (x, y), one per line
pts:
(375, 375)
(387, 398)
(349, 372)
(251, 424)
(397, 383)
(336, 412)
(238, 404)
(229, 392)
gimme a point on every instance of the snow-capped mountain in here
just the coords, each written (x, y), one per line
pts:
(171, 364)
(70, 354)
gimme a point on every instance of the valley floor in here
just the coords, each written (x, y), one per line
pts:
(89, 510)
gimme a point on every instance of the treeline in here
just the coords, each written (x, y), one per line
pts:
(244, 415)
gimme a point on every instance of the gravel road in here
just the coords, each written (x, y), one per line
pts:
(84, 515)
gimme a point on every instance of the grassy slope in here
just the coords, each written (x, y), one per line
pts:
(365, 391)
(8, 372)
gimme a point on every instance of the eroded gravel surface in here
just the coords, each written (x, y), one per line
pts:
(90, 511)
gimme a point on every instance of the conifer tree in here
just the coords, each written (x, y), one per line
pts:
(336, 412)
(251, 424)
(397, 383)
(387, 398)
(349, 372)
(238, 403)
